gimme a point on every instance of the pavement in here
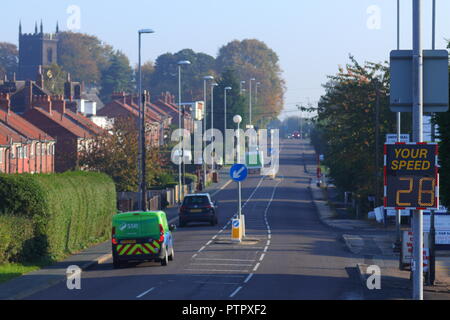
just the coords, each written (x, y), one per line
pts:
(373, 243)
(36, 281)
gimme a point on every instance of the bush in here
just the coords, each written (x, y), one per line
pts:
(16, 239)
(191, 178)
(68, 211)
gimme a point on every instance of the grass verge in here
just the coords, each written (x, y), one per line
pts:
(10, 271)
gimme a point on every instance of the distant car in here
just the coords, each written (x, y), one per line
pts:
(141, 236)
(296, 135)
(198, 208)
(289, 136)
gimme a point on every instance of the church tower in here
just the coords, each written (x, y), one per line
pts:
(36, 49)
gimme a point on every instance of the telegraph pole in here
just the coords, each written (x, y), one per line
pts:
(417, 263)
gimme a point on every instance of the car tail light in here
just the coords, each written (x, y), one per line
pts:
(161, 234)
(113, 240)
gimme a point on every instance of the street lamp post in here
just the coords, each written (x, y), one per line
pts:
(241, 89)
(212, 123)
(250, 95)
(142, 147)
(238, 119)
(205, 79)
(180, 64)
(225, 109)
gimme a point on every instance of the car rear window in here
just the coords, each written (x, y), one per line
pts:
(201, 200)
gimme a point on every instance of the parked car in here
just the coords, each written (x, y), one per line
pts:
(142, 236)
(198, 208)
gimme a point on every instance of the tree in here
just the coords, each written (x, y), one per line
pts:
(346, 126)
(9, 59)
(117, 77)
(115, 153)
(54, 79)
(84, 56)
(165, 75)
(236, 103)
(252, 58)
(443, 122)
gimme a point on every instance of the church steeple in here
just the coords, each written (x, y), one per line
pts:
(35, 28)
(42, 28)
(57, 26)
(20, 27)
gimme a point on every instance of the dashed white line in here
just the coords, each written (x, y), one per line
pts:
(262, 257)
(242, 260)
(146, 292)
(248, 278)
(266, 248)
(235, 292)
(201, 249)
(268, 242)
(209, 242)
(256, 267)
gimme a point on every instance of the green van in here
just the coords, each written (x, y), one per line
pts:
(141, 236)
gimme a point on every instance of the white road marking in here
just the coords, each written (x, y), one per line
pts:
(268, 242)
(262, 257)
(146, 292)
(223, 187)
(244, 260)
(248, 278)
(210, 275)
(216, 270)
(221, 264)
(209, 242)
(195, 255)
(217, 283)
(256, 267)
(269, 236)
(235, 292)
(266, 248)
(201, 249)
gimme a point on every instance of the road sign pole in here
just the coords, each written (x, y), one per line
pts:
(398, 217)
(418, 137)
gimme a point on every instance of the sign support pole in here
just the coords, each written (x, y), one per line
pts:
(398, 217)
(417, 266)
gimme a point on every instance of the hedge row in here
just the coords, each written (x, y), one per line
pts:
(67, 212)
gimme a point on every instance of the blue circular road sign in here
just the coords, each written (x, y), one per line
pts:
(239, 172)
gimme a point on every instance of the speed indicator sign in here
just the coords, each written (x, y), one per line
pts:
(411, 179)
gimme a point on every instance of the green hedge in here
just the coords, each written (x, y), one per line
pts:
(68, 211)
(16, 239)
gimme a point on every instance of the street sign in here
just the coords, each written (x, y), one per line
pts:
(392, 138)
(239, 172)
(435, 80)
(407, 250)
(411, 176)
(236, 230)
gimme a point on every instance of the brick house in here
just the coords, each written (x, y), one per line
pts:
(166, 102)
(72, 130)
(125, 105)
(24, 148)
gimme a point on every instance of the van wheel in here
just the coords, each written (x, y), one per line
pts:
(116, 263)
(165, 259)
(172, 254)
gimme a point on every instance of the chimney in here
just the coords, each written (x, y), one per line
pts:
(77, 91)
(5, 102)
(119, 96)
(43, 102)
(40, 78)
(129, 99)
(68, 88)
(58, 104)
(28, 95)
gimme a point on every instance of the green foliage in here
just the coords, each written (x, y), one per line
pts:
(346, 125)
(165, 75)
(9, 59)
(66, 212)
(117, 77)
(54, 79)
(16, 238)
(252, 58)
(116, 152)
(443, 122)
(84, 56)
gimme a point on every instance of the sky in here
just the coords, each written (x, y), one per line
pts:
(312, 38)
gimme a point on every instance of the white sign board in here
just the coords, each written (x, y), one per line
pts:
(407, 249)
(392, 138)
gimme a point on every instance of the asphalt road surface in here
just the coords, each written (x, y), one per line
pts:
(293, 256)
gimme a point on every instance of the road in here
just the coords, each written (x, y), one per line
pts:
(293, 256)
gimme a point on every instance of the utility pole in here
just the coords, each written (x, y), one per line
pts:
(398, 217)
(377, 144)
(432, 234)
(417, 263)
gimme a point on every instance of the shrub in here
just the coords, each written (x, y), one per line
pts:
(68, 211)
(16, 239)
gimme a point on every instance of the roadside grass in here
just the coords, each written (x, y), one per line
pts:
(9, 271)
